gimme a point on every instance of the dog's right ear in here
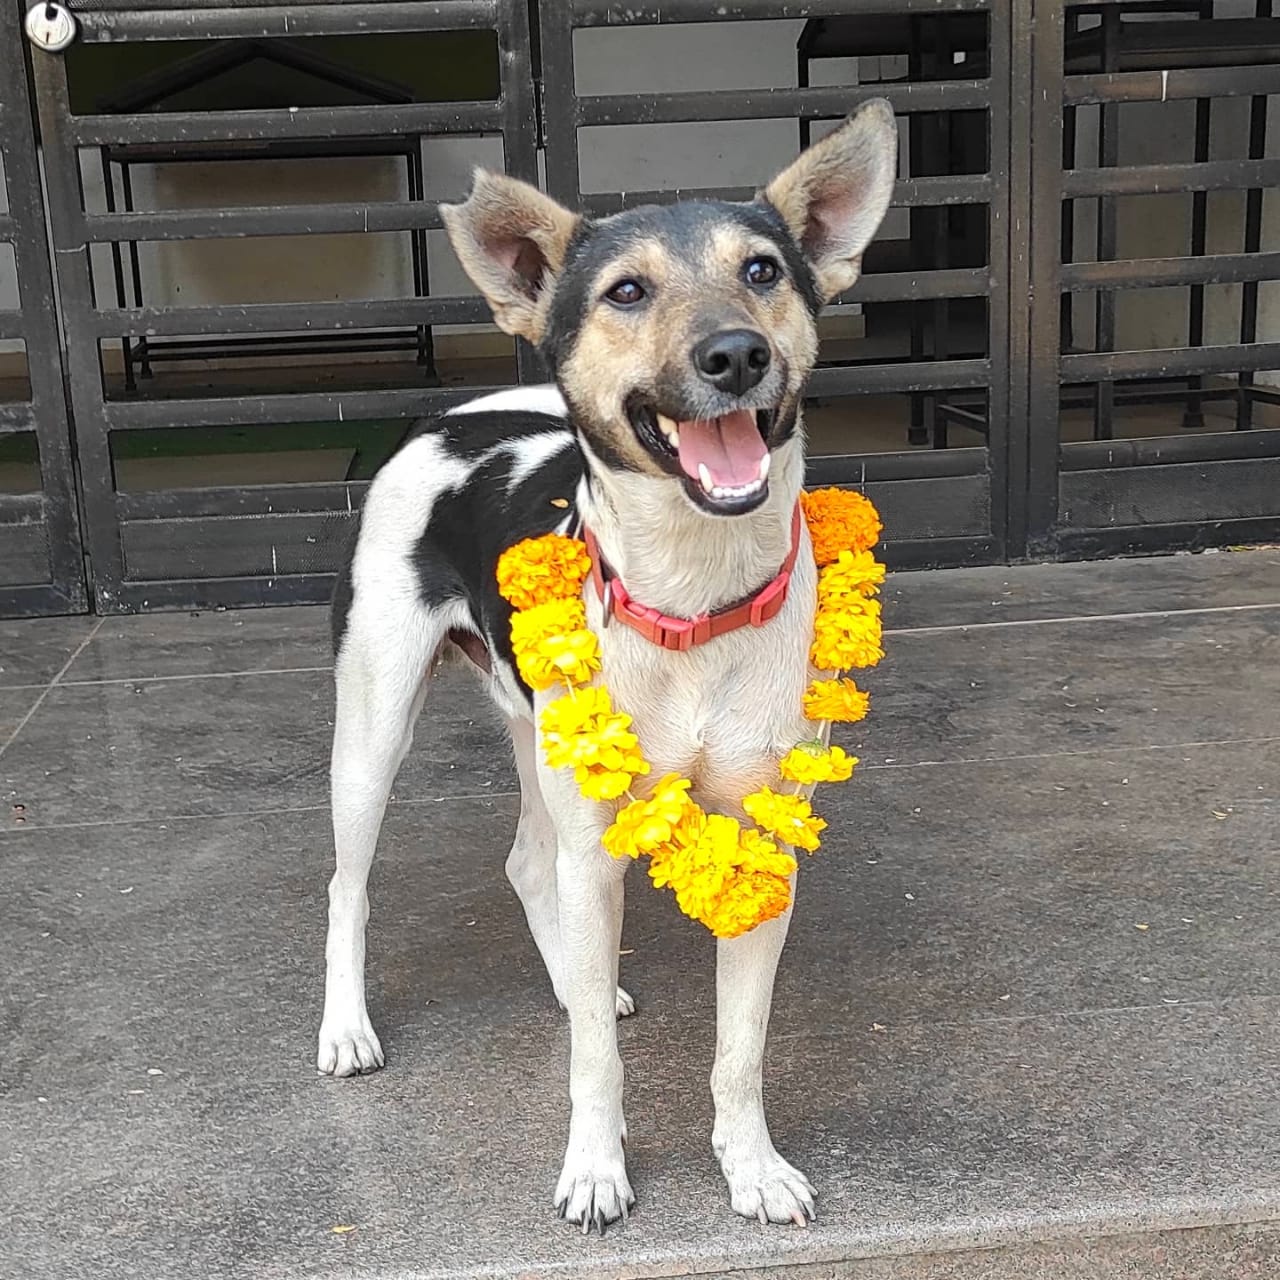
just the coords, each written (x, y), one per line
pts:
(511, 240)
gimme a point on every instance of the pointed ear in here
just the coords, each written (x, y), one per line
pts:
(835, 194)
(511, 241)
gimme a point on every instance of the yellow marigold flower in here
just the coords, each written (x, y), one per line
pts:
(835, 700)
(551, 643)
(790, 818)
(839, 520)
(749, 899)
(812, 762)
(645, 825)
(847, 637)
(540, 569)
(850, 574)
(728, 878)
(581, 730)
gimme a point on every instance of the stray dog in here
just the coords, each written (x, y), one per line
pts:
(681, 339)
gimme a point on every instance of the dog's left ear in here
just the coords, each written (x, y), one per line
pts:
(834, 196)
(511, 240)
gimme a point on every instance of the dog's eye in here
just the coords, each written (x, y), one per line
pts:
(626, 293)
(762, 271)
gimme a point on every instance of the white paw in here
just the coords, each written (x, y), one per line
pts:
(348, 1050)
(762, 1185)
(594, 1191)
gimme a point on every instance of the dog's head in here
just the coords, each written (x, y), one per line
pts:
(682, 336)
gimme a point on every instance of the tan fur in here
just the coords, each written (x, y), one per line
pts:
(511, 240)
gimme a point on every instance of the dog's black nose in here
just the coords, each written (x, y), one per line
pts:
(733, 360)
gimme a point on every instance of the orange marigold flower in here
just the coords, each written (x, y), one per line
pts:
(835, 700)
(839, 520)
(536, 570)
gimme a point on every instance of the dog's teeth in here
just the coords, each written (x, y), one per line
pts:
(704, 478)
(670, 430)
(764, 465)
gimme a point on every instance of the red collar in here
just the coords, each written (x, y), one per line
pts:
(683, 633)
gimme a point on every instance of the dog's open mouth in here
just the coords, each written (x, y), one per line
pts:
(723, 461)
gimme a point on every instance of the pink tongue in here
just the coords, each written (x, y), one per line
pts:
(730, 448)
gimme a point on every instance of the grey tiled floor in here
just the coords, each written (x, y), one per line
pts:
(1025, 1026)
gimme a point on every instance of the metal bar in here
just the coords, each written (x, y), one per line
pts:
(593, 13)
(877, 379)
(220, 593)
(560, 105)
(1161, 539)
(409, 403)
(936, 464)
(1088, 455)
(163, 20)
(276, 220)
(8, 227)
(188, 127)
(1252, 241)
(334, 498)
(46, 412)
(1171, 85)
(1158, 179)
(280, 317)
(16, 418)
(1104, 304)
(1193, 415)
(899, 286)
(1009, 152)
(966, 188)
(1169, 362)
(773, 104)
(1041, 100)
(1143, 273)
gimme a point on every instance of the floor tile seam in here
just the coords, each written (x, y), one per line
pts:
(1225, 1003)
(156, 819)
(947, 628)
(897, 632)
(35, 706)
(1114, 749)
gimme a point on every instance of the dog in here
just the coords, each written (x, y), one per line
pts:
(681, 338)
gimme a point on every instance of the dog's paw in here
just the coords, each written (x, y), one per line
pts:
(349, 1050)
(594, 1192)
(764, 1186)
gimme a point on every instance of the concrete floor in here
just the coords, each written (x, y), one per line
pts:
(1026, 1025)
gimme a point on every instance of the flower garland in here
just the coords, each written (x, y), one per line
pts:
(729, 876)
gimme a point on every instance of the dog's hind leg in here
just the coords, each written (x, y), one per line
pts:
(381, 674)
(761, 1183)
(531, 865)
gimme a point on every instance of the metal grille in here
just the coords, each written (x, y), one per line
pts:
(247, 543)
(945, 505)
(995, 381)
(1156, 436)
(41, 567)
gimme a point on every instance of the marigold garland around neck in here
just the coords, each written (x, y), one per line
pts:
(729, 876)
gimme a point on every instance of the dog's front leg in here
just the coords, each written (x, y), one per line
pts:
(593, 1189)
(761, 1183)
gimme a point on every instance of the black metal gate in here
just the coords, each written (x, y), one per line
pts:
(41, 564)
(1062, 344)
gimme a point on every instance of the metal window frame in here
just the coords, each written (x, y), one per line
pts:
(927, 477)
(53, 511)
(195, 517)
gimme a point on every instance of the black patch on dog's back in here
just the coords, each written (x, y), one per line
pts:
(456, 557)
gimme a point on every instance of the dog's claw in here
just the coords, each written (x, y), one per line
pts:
(763, 1186)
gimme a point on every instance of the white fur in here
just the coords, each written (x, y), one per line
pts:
(543, 398)
(720, 713)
